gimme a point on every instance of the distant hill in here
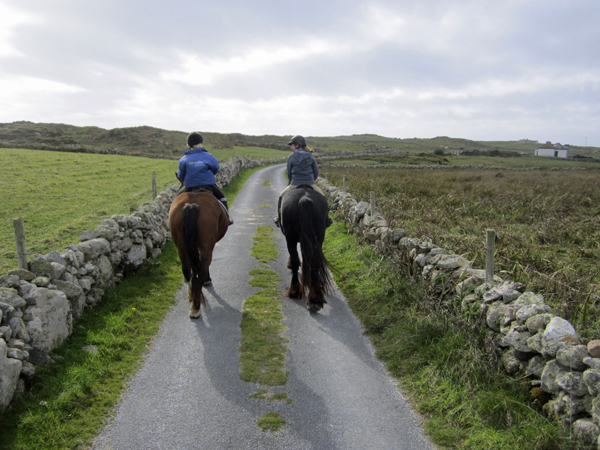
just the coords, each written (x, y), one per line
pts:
(145, 140)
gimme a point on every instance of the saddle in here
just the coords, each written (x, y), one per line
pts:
(199, 189)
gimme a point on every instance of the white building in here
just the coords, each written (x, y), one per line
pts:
(552, 151)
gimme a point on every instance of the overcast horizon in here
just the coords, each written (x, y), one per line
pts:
(468, 69)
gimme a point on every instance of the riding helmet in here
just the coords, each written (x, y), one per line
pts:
(298, 140)
(194, 139)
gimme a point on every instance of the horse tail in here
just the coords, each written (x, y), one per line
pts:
(315, 267)
(190, 235)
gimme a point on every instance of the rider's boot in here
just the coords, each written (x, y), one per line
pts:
(227, 210)
(277, 220)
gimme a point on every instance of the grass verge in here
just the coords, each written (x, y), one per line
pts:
(271, 421)
(446, 364)
(262, 348)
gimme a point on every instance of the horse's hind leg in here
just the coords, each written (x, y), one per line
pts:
(295, 290)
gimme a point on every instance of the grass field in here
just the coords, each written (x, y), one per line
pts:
(447, 160)
(547, 222)
(59, 195)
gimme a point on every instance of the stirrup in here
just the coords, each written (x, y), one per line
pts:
(329, 222)
(276, 221)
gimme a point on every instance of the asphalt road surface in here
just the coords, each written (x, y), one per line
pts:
(188, 394)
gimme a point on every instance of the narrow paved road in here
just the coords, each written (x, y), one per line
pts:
(188, 394)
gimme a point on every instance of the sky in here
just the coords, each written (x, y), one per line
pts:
(475, 69)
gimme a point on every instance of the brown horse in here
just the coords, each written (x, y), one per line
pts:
(197, 222)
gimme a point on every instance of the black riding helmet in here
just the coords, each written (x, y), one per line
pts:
(298, 140)
(194, 139)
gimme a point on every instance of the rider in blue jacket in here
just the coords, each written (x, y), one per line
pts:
(198, 168)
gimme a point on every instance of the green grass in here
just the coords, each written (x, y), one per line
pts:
(547, 223)
(59, 195)
(262, 348)
(263, 394)
(446, 364)
(264, 248)
(271, 421)
(457, 161)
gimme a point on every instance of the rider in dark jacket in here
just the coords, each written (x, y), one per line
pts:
(198, 168)
(301, 169)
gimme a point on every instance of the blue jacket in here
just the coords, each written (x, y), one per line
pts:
(302, 168)
(197, 167)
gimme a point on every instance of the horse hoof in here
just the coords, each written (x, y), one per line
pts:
(207, 283)
(194, 315)
(314, 307)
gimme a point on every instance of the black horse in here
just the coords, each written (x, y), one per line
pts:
(304, 220)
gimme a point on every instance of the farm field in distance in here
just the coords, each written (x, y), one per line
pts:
(547, 223)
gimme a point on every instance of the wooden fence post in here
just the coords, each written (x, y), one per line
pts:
(153, 185)
(344, 186)
(21, 250)
(372, 204)
(489, 258)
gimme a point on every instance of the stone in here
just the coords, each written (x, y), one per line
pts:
(591, 378)
(511, 364)
(449, 262)
(586, 431)
(136, 255)
(23, 274)
(538, 322)
(593, 363)
(56, 257)
(572, 356)
(41, 281)
(10, 369)
(19, 329)
(88, 235)
(529, 298)
(52, 321)
(93, 248)
(27, 370)
(500, 315)
(593, 348)
(557, 328)
(11, 297)
(526, 312)
(551, 371)
(9, 281)
(518, 340)
(572, 382)
(535, 366)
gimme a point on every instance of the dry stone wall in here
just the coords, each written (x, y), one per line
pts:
(39, 306)
(534, 342)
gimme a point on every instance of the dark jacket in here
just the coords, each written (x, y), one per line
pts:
(302, 168)
(197, 167)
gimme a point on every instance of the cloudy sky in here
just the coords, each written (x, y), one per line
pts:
(476, 69)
